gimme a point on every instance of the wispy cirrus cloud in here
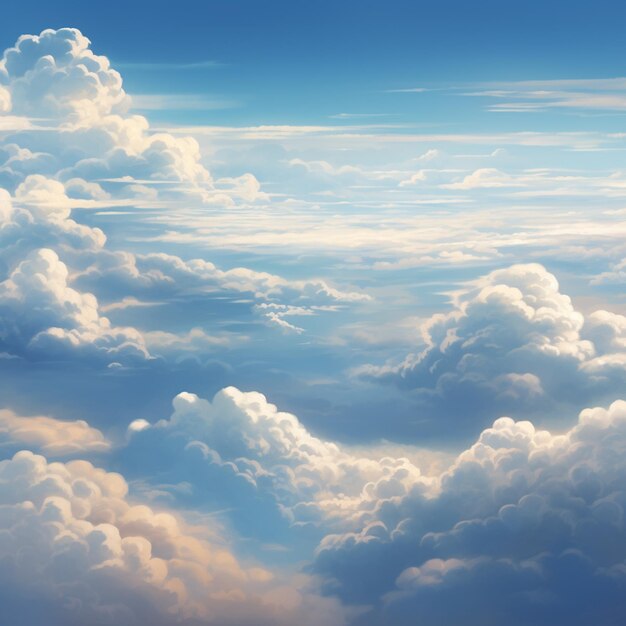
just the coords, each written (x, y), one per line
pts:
(528, 96)
(599, 94)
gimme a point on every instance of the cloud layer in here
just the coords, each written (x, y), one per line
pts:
(523, 517)
(231, 511)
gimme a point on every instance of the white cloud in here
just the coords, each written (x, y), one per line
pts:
(91, 141)
(521, 518)
(5, 100)
(485, 178)
(40, 311)
(89, 133)
(135, 272)
(196, 340)
(507, 514)
(49, 435)
(616, 275)
(600, 94)
(6, 206)
(324, 167)
(247, 446)
(73, 543)
(39, 216)
(46, 199)
(56, 74)
(511, 340)
(38, 219)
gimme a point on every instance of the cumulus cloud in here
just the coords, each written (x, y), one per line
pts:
(40, 311)
(93, 153)
(130, 271)
(56, 74)
(88, 131)
(37, 220)
(523, 518)
(240, 450)
(524, 514)
(525, 526)
(39, 216)
(512, 341)
(74, 547)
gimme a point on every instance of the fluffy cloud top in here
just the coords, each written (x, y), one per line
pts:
(72, 541)
(512, 342)
(56, 74)
(524, 518)
(85, 130)
(521, 518)
(525, 526)
(41, 311)
(57, 78)
(261, 456)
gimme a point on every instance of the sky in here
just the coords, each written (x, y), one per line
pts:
(312, 313)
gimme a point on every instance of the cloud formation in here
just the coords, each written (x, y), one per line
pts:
(55, 76)
(523, 518)
(40, 311)
(523, 513)
(512, 342)
(523, 526)
(240, 451)
(49, 435)
(85, 150)
(75, 548)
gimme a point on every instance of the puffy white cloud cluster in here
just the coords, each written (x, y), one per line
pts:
(43, 314)
(36, 223)
(40, 311)
(56, 75)
(255, 452)
(84, 149)
(522, 518)
(39, 215)
(74, 545)
(525, 526)
(57, 78)
(81, 127)
(512, 341)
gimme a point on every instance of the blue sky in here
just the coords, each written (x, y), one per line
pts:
(312, 313)
(302, 62)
